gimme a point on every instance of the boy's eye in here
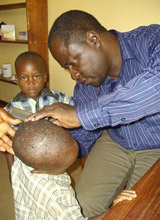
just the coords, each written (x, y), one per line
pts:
(37, 76)
(23, 78)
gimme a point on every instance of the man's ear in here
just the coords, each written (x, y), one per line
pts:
(93, 38)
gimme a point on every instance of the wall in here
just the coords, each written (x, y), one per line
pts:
(122, 15)
(10, 51)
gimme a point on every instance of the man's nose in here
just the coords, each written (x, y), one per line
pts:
(74, 73)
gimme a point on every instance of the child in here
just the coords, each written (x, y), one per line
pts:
(31, 77)
(43, 191)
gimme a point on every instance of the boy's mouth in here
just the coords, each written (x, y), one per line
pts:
(31, 91)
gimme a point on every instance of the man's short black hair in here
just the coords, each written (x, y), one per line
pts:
(72, 26)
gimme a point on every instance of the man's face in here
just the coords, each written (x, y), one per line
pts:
(85, 61)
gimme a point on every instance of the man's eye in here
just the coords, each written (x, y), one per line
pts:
(66, 69)
(72, 64)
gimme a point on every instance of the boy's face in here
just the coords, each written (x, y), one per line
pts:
(30, 77)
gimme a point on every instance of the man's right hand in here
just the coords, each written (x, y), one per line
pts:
(5, 130)
(64, 115)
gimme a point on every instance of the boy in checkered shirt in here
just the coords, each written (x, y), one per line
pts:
(43, 191)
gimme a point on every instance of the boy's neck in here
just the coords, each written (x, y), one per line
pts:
(52, 172)
(28, 97)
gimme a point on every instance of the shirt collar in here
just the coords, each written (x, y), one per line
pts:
(125, 48)
(44, 92)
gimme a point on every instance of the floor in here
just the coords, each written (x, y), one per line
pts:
(6, 196)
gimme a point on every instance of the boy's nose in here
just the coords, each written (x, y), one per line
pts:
(31, 81)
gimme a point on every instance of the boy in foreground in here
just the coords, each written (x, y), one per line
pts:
(44, 191)
(31, 77)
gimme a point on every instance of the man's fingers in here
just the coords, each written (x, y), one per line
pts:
(125, 195)
(39, 116)
(35, 117)
(8, 118)
(6, 148)
(11, 132)
(4, 127)
(12, 121)
(10, 150)
(3, 149)
(6, 143)
(6, 139)
(56, 122)
(130, 193)
(43, 113)
(29, 118)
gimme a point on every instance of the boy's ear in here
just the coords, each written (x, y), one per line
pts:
(16, 79)
(45, 77)
(93, 38)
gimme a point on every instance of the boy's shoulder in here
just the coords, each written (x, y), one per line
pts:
(17, 98)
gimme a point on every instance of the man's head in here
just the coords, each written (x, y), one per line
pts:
(76, 41)
(45, 147)
(72, 27)
(30, 73)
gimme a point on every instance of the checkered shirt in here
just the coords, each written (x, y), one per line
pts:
(43, 196)
(46, 97)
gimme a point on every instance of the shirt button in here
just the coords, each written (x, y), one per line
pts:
(123, 119)
(96, 125)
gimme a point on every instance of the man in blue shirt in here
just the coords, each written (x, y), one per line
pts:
(117, 96)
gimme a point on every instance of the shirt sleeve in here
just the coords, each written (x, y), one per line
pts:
(62, 97)
(85, 139)
(68, 100)
(139, 97)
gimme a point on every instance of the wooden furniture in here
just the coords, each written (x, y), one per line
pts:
(7, 80)
(147, 204)
(37, 27)
(3, 104)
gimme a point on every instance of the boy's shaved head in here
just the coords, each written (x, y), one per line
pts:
(45, 146)
(30, 55)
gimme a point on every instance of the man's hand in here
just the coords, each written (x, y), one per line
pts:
(63, 115)
(5, 130)
(125, 195)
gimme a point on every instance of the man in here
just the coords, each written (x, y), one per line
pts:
(117, 103)
(5, 121)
